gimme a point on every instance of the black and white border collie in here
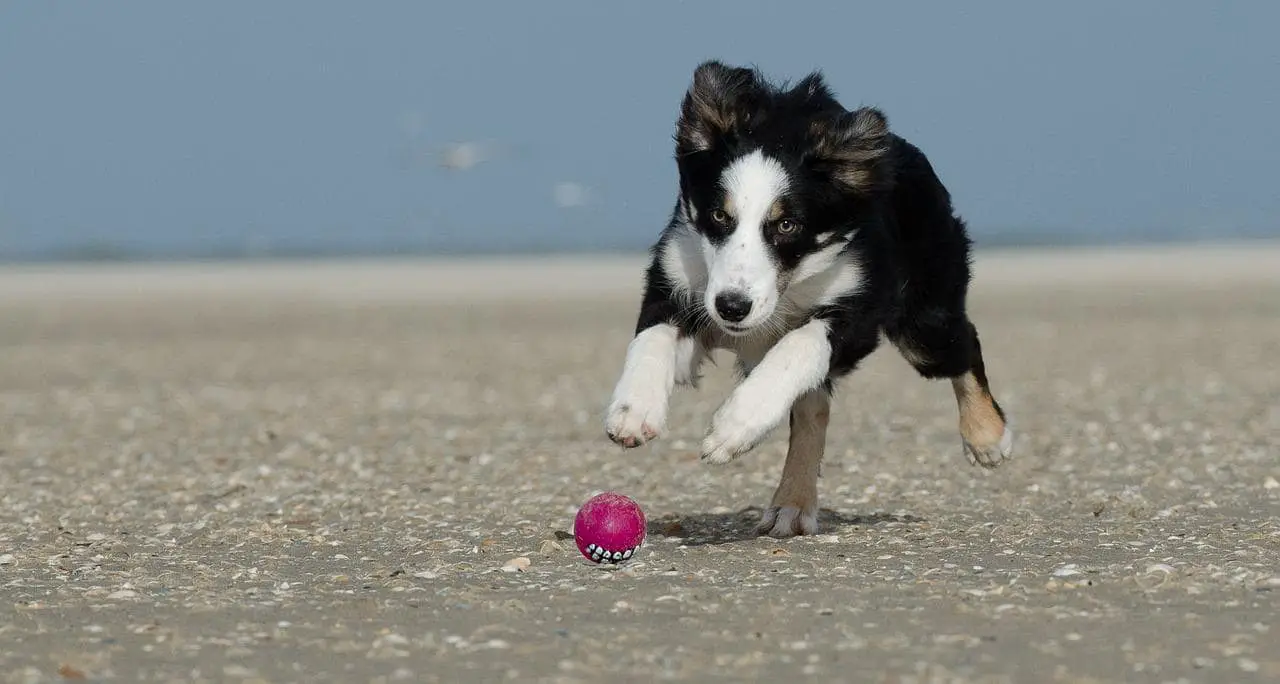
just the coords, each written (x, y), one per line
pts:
(802, 232)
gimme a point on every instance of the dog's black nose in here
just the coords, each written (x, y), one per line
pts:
(732, 306)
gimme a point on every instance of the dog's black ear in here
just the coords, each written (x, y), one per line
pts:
(715, 105)
(854, 149)
(813, 86)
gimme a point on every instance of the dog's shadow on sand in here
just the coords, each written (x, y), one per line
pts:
(709, 529)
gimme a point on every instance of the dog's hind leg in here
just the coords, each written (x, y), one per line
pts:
(988, 440)
(794, 509)
(941, 344)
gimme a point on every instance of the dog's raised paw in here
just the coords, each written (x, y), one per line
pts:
(629, 425)
(781, 522)
(719, 449)
(990, 455)
(735, 429)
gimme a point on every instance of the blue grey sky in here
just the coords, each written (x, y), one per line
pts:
(179, 127)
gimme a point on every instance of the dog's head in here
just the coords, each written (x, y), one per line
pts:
(771, 178)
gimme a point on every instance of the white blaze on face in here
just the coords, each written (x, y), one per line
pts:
(742, 265)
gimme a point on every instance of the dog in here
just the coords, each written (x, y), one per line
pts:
(801, 234)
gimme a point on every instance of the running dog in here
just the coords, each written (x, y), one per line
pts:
(802, 232)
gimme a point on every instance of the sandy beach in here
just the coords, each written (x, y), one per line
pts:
(321, 472)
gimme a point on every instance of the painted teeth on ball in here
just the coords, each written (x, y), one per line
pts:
(601, 555)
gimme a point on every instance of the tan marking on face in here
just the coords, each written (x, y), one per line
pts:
(775, 210)
(727, 205)
(980, 422)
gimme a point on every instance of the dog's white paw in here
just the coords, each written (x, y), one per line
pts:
(789, 520)
(636, 418)
(735, 429)
(992, 454)
(637, 412)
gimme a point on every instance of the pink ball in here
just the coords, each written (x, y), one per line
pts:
(609, 528)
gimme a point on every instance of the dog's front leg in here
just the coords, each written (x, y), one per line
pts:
(794, 509)
(798, 363)
(637, 411)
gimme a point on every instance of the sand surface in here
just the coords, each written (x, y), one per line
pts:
(317, 473)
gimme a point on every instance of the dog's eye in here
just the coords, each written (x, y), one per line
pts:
(719, 216)
(787, 226)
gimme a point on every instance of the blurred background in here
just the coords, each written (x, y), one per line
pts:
(161, 130)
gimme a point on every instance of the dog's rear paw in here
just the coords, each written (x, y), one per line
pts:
(788, 521)
(630, 425)
(991, 454)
